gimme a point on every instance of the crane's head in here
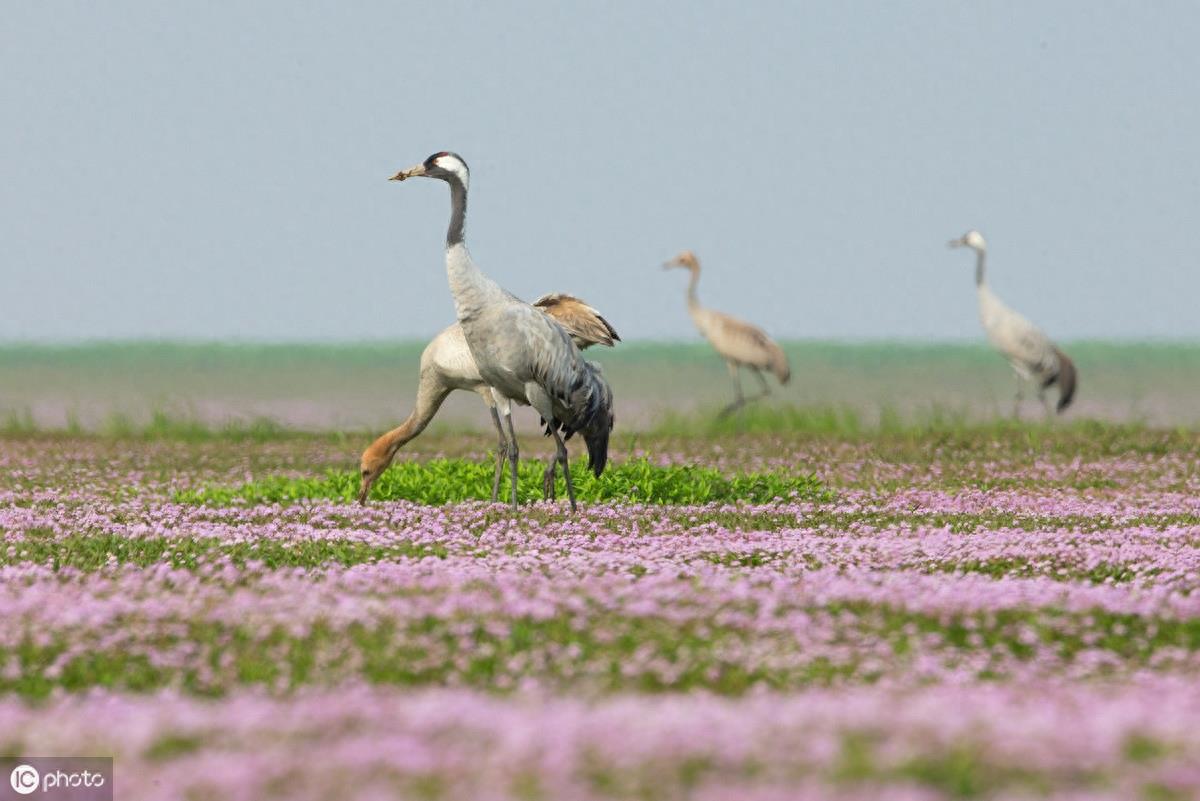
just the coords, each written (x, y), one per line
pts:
(971, 239)
(687, 259)
(375, 460)
(445, 165)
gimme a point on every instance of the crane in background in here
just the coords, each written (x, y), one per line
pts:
(1033, 356)
(739, 343)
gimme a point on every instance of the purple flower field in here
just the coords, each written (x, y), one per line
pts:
(975, 614)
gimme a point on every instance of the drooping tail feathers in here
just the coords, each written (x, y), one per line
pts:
(1066, 378)
(779, 364)
(600, 422)
(590, 412)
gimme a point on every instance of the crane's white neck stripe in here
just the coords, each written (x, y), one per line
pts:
(456, 168)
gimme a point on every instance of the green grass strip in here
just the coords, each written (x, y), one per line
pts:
(444, 481)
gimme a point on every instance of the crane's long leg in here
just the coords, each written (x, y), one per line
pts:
(548, 477)
(514, 454)
(1020, 396)
(739, 400)
(1045, 402)
(501, 454)
(562, 458)
(766, 389)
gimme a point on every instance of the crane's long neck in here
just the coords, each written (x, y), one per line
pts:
(991, 309)
(472, 290)
(693, 301)
(430, 394)
(980, 268)
(458, 213)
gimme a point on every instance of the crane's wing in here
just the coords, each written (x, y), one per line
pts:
(585, 325)
(745, 343)
(1024, 344)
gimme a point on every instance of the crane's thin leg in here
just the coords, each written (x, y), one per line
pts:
(562, 458)
(501, 453)
(1019, 397)
(514, 455)
(1045, 402)
(766, 389)
(548, 480)
(739, 400)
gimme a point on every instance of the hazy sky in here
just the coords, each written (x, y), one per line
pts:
(217, 170)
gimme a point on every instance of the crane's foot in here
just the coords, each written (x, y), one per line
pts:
(548, 483)
(730, 409)
(571, 495)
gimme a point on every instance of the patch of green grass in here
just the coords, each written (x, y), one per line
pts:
(949, 438)
(444, 481)
(18, 423)
(162, 425)
(89, 552)
(849, 422)
(170, 746)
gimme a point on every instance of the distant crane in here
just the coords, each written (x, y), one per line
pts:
(1030, 352)
(738, 342)
(521, 353)
(447, 365)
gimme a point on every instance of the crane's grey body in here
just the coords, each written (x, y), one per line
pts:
(523, 355)
(520, 352)
(447, 365)
(1033, 357)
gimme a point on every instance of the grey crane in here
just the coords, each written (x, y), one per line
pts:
(1032, 355)
(738, 342)
(522, 354)
(447, 365)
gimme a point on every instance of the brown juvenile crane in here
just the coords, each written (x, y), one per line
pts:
(739, 343)
(447, 365)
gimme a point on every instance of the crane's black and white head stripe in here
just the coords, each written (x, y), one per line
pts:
(445, 165)
(971, 239)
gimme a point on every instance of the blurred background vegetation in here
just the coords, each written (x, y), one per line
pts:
(263, 389)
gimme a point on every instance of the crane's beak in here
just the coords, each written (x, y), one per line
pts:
(672, 263)
(956, 243)
(366, 481)
(411, 172)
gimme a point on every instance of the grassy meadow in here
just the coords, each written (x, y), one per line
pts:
(873, 588)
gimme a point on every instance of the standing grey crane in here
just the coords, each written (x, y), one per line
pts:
(1030, 352)
(447, 365)
(521, 353)
(738, 342)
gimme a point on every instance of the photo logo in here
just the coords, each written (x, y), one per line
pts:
(24, 779)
